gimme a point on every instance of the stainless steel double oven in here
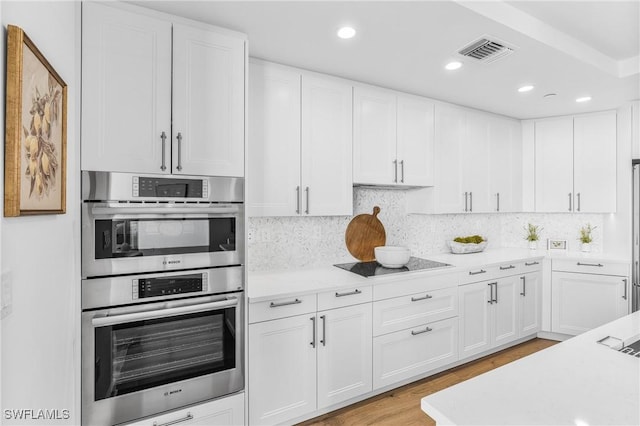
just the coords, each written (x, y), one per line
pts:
(162, 293)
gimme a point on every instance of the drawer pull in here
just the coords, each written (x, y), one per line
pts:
(504, 268)
(277, 305)
(415, 299)
(186, 418)
(599, 265)
(349, 293)
(531, 264)
(426, 330)
(481, 271)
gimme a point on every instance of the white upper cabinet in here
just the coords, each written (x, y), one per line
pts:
(300, 150)
(505, 162)
(126, 91)
(139, 73)
(208, 103)
(575, 163)
(392, 138)
(475, 162)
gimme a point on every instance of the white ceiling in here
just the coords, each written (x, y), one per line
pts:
(571, 48)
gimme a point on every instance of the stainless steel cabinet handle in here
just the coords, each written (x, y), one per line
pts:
(496, 299)
(163, 137)
(402, 171)
(466, 205)
(490, 301)
(531, 264)
(313, 342)
(624, 296)
(349, 293)
(570, 199)
(497, 201)
(186, 418)
(524, 286)
(277, 305)
(324, 330)
(415, 299)
(599, 265)
(471, 201)
(578, 194)
(426, 330)
(297, 199)
(504, 268)
(179, 137)
(395, 168)
(481, 271)
(306, 190)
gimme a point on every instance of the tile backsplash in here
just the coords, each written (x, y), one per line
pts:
(296, 242)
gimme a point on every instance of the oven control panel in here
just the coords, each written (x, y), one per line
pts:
(158, 187)
(168, 286)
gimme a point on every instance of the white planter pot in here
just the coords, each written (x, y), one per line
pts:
(533, 245)
(586, 247)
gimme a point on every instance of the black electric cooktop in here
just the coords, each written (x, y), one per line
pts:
(373, 268)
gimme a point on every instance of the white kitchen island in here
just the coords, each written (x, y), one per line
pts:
(577, 382)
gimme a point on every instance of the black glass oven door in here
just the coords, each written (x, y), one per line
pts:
(138, 355)
(129, 237)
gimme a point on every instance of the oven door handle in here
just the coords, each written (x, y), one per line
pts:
(111, 211)
(162, 313)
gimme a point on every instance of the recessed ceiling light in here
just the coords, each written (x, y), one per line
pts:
(584, 99)
(525, 89)
(346, 32)
(453, 65)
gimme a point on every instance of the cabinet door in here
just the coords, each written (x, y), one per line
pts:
(374, 136)
(208, 103)
(506, 310)
(475, 321)
(449, 136)
(327, 162)
(415, 141)
(581, 302)
(554, 165)
(282, 369)
(594, 151)
(274, 141)
(475, 163)
(407, 353)
(126, 91)
(530, 303)
(505, 160)
(344, 354)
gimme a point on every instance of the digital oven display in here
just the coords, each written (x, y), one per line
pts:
(170, 188)
(165, 286)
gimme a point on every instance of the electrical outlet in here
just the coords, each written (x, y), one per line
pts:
(6, 294)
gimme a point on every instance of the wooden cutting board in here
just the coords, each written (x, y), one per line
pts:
(364, 233)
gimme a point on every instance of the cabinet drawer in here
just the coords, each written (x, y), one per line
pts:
(283, 307)
(590, 266)
(344, 297)
(414, 285)
(413, 310)
(408, 353)
(531, 265)
(481, 273)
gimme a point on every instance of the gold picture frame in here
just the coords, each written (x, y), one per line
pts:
(35, 169)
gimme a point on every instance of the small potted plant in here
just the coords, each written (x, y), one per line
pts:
(533, 235)
(585, 236)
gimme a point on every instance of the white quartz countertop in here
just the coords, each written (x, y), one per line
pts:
(578, 382)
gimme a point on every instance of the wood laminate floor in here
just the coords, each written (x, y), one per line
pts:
(402, 406)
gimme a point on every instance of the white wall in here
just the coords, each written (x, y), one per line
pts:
(40, 346)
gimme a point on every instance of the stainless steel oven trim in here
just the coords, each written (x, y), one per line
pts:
(135, 405)
(92, 267)
(117, 291)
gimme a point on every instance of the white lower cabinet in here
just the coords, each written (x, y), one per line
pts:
(282, 369)
(406, 353)
(496, 312)
(581, 302)
(227, 411)
(307, 362)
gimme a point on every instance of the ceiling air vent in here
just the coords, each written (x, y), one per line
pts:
(486, 51)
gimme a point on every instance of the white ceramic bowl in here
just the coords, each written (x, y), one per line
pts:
(392, 256)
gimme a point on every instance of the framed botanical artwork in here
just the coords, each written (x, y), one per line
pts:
(556, 244)
(35, 131)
